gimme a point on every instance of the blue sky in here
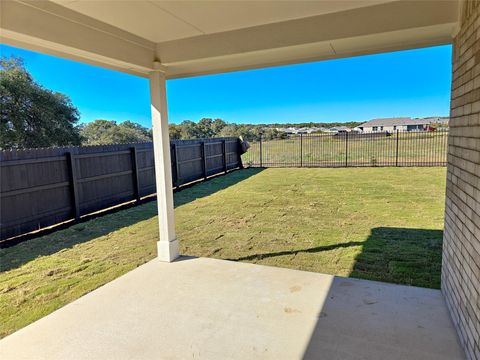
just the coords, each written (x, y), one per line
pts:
(406, 83)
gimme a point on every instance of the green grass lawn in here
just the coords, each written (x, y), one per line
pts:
(374, 223)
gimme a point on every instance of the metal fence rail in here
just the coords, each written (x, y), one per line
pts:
(43, 187)
(419, 148)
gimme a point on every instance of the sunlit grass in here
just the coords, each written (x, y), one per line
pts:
(375, 223)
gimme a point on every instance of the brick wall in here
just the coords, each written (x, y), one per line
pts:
(461, 247)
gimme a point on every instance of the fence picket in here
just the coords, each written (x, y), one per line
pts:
(73, 184)
(136, 185)
(224, 151)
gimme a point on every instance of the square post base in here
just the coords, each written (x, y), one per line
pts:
(168, 251)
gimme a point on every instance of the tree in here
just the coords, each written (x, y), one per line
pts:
(229, 130)
(139, 129)
(271, 134)
(247, 132)
(204, 127)
(94, 133)
(189, 130)
(175, 132)
(30, 115)
(217, 126)
(103, 132)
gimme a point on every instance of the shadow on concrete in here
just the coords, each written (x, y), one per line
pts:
(367, 318)
(373, 320)
(70, 234)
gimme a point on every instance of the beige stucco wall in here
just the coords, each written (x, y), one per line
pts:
(385, 128)
(461, 247)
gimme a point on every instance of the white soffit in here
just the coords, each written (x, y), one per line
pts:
(201, 37)
(159, 21)
(379, 28)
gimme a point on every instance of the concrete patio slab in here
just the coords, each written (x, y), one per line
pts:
(203, 308)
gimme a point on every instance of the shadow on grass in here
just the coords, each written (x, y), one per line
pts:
(396, 255)
(295, 252)
(23, 252)
(402, 256)
(213, 185)
(26, 251)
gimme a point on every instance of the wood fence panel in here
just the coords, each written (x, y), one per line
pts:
(104, 180)
(189, 163)
(37, 188)
(34, 190)
(232, 151)
(146, 171)
(214, 156)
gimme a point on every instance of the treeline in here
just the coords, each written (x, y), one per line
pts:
(103, 132)
(109, 132)
(207, 128)
(350, 124)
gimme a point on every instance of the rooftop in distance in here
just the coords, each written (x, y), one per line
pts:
(406, 121)
(382, 124)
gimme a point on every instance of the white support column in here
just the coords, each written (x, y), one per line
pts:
(167, 246)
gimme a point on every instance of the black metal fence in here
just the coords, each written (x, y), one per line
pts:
(415, 148)
(43, 187)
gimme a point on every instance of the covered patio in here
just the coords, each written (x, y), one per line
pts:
(215, 309)
(218, 309)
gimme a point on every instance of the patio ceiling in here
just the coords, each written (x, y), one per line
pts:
(192, 38)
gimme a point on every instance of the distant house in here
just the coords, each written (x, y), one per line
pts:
(303, 130)
(441, 122)
(402, 124)
(290, 130)
(340, 129)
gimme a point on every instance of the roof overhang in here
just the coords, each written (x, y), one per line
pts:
(368, 28)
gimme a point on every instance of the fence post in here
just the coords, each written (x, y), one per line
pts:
(136, 184)
(301, 150)
(177, 166)
(261, 152)
(224, 150)
(73, 184)
(346, 148)
(204, 157)
(239, 151)
(396, 151)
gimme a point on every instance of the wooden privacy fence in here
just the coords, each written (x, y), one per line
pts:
(43, 187)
